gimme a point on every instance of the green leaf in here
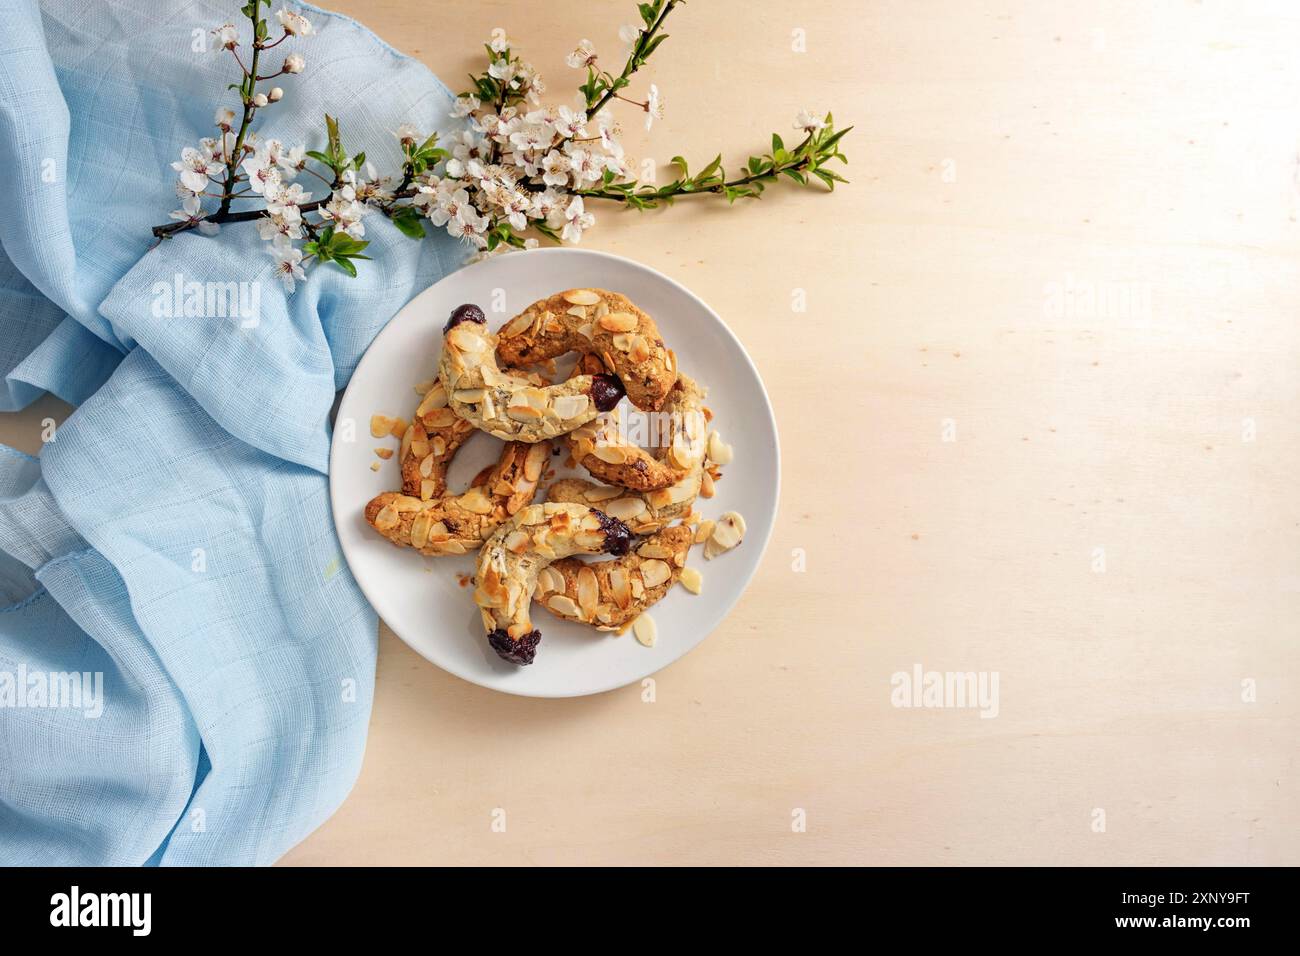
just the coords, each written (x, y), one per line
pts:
(778, 145)
(825, 145)
(347, 267)
(648, 13)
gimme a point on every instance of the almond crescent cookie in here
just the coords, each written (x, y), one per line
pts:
(516, 553)
(679, 426)
(429, 444)
(507, 405)
(599, 321)
(461, 523)
(609, 595)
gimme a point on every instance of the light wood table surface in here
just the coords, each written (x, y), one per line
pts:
(1038, 419)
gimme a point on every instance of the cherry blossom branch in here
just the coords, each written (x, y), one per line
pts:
(518, 171)
(647, 42)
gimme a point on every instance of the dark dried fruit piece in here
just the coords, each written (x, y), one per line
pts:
(519, 652)
(468, 312)
(618, 537)
(606, 392)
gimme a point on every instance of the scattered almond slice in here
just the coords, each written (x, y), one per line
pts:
(374, 466)
(729, 532)
(384, 453)
(720, 452)
(706, 485)
(704, 531)
(645, 630)
(692, 580)
(381, 425)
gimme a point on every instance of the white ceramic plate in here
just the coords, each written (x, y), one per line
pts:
(421, 598)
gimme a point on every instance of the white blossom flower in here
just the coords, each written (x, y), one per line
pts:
(294, 63)
(629, 34)
(585, 165)
(224, 117)
(555, 168)
(505, 72)
(546, 204)
(530, 81)
(576, 219)
(408, 133)
(654, 107)
(499, 42)
(514, 205)
(466, 104)
(532, 137)
(468, 225)
(808, 122)
(583, 55)
(261, 170)
(448, 200)
(288, 261)
(195, 166)
(344, 210)
(570, 123)
(294, 24)
(465, 146)
(227, 37)
(191, 206)
(293, 161)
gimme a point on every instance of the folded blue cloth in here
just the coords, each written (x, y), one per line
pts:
(173, 545)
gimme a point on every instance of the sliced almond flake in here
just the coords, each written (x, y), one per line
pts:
(380, 425)
(588, 592)
(645, 629)
(692, 580)
(516, 325)
(535, 459)
(620, 587)
(625, 508)
(563, 604)
(571, 406)
(581, 297)
(719, 451)
(652, 550)
(618, 322)
(384, 453)
(704, 531)
(655, 572)
(602, 493)
(420, 529)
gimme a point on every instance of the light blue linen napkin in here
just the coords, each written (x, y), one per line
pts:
(173, 544)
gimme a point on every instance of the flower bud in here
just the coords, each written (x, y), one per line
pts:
(294, 63)
(260, 99)
(276, 94)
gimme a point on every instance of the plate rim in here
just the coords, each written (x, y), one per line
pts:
(368, 355)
